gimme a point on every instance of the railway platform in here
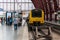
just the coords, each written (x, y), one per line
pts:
(8, 33)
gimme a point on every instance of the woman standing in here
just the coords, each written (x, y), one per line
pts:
(15, 23)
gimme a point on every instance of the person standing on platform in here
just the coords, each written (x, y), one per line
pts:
(2, 21)
(10, 21)
(15, 23)
(23, 19)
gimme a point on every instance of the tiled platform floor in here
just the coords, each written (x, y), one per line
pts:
(8, 33)
(55, 36)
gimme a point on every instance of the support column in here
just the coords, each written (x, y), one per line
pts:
(56, 8)
(55, 17)
(47, 17)
(50, 16)
(44, 3)
(50, 9)
(42, 6)
(45, 9)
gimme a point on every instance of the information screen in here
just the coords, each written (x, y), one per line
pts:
(8, 15)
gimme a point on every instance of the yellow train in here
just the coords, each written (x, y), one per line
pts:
(36, 17)
(35, 20)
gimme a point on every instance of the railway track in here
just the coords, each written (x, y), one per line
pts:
(37, 34)
(55, 26)
(43, 34)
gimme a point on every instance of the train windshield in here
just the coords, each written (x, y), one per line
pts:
(36, 13)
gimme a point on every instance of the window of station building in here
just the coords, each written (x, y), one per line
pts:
(8, 0)
(33, 6)
(12, 0)
(1, 0)
(23, 6)
(9, 4)
(5, 6)
(8, 7)
(16, 6)
(26, 5)
(1, 6)
(19, 6)
(30, 6)
(4, 0)
(29, 1)
(24, 1)
(12, 6)
(19, 0)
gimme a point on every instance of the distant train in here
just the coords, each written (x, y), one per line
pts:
(36, 17)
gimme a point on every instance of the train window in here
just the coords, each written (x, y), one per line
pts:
(36, 13)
